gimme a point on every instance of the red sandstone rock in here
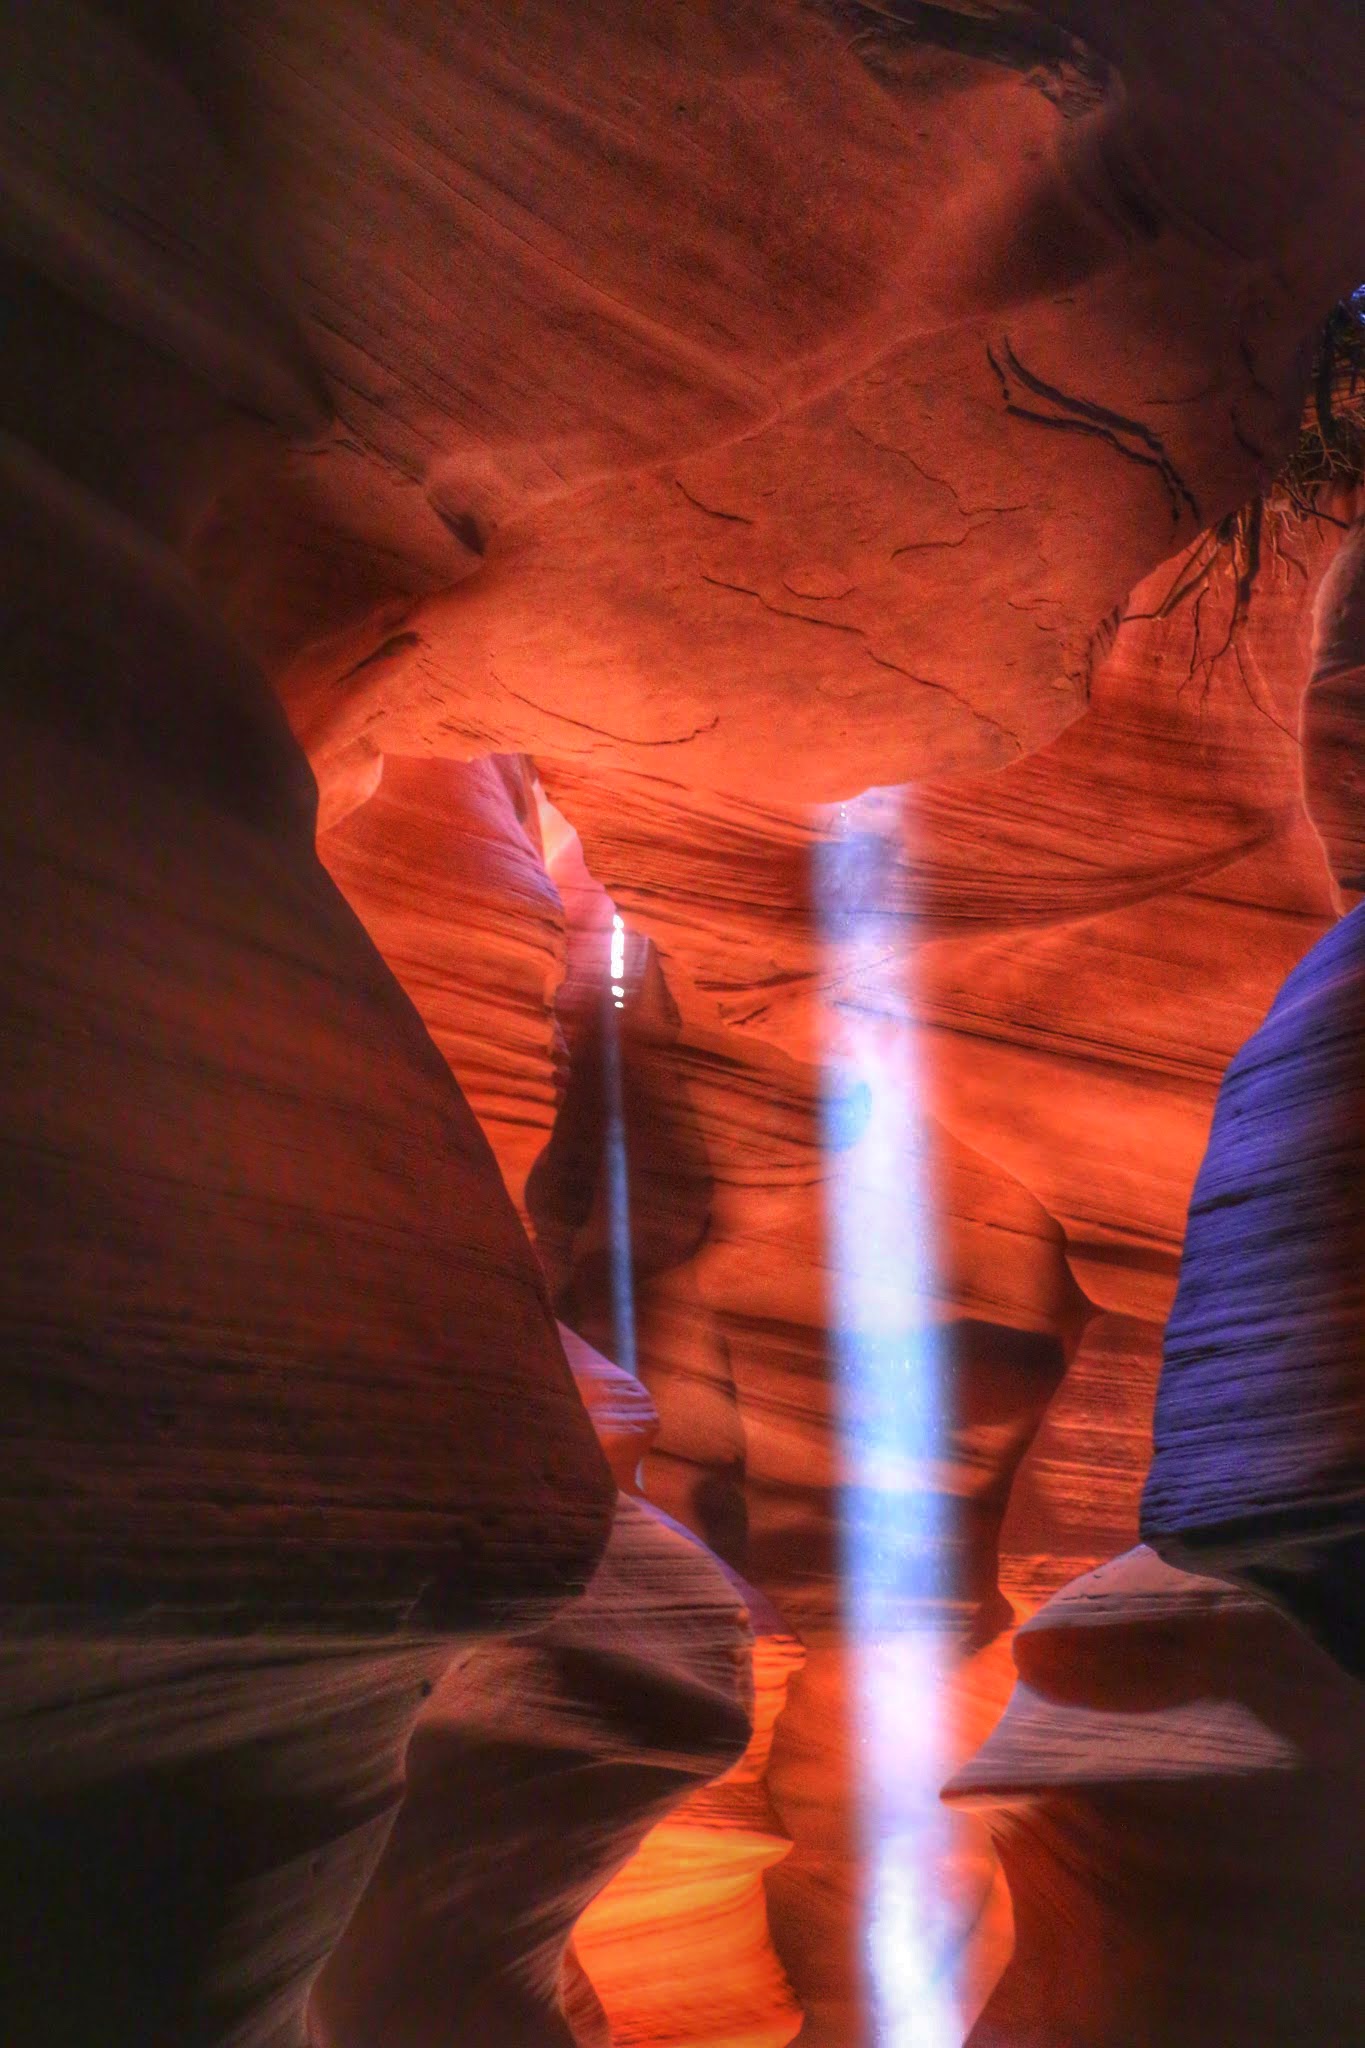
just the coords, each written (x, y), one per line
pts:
(1158, 847)
(1076, 1497)
(1260, 1419)
(940, 342)
(623, 1416)
(1175, 1791)
(187, 1825)
(533, 1773)
(442, 866)
(793, 393)
(1334, 714)
(257, 1242)
(678, 1944)
(263, 1278)
(736, 1349)
(1189, 792)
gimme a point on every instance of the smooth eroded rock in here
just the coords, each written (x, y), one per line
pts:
(1258, 1467)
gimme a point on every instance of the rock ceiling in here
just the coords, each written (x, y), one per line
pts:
(467, 468)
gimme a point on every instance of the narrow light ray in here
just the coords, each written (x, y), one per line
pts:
(891, 1408)
(617, 1161)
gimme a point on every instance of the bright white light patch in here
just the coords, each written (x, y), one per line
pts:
(617, 1163)
(891, 1406)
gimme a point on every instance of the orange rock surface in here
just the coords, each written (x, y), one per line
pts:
(602, 443)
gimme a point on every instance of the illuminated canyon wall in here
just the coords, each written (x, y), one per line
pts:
(466, 471)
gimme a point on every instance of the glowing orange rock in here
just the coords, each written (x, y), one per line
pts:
(677, 1946)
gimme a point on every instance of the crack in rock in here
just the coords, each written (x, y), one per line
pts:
(947, 690)
(621, 739)
(781, 611)
(1082, 416)
(713, 511)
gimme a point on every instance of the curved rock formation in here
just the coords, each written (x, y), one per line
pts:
(1258, 1468)
(694, 412)
(1077, 1495)
(188, 1825)
(1058, 908)
(1334, 717)
(677, 1946)
(1167, 1738)
(572, 1764)
(265, 1297)
(932, 351)
(209, 1057)
(534, 1771)
(266, 1301)
(442, 865)
(440, 862)
(624, 1418)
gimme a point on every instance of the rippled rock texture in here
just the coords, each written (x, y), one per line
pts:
(559, 1789)
(1333, 715)
(817, 345)
(1260, 1424)
(599, 442)
(1175, 1790)
(533, 1773)
(287, 1413)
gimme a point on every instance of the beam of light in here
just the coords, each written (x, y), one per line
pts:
(891, 1404)
(617, 1163)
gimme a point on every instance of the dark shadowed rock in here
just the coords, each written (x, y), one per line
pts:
(1258, 1469)
(1176, 1791)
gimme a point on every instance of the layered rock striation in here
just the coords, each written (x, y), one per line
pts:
(687, 418)
(1167, 1735)
(1257, 1459)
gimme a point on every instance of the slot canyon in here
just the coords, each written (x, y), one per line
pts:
(684, 1033)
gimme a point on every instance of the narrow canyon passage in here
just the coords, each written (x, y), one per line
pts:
(683, 1086)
